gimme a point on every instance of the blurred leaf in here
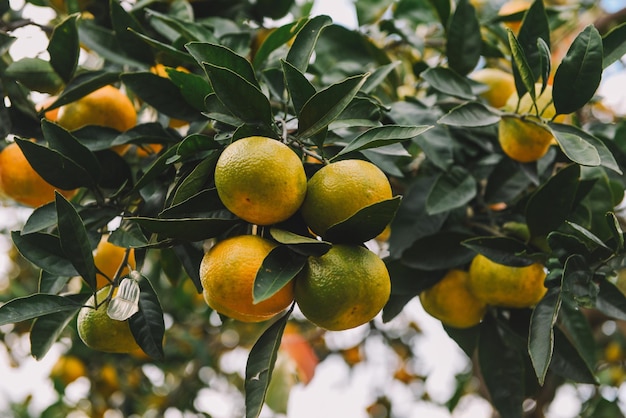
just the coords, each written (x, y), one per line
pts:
(300, 244)
(464, 41)
(279, 267)
(260, 365)
(378, 76)
(64, 48)
(299, 87)
(274, 9)
(47, 329)
(54, 167)
(502, 368)
(103, 42)
(550, 205)
(190, 256)
(502, 250)
(443, 250)
(35, 74)
(568, 363)
(611, 301)
(369, 11)
(470, 114)
(34, 306)
(578, 75)
(466, 338)
(276, 39)
(147, 325)
(155, 169)
(575, 143)
(448, 82)
(541, 333)
(614, 45)
(616, 230)
(74, 240)
(326, 105)
(221, 56)
(381, 136)
(239, 96)
(122, 22)
(442, 7)
(303, 45)
(525, 79)
(365, 224)
(451, 190)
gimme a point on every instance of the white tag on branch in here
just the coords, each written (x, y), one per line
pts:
(126, 302)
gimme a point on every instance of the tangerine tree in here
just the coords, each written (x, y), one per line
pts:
(297, 144)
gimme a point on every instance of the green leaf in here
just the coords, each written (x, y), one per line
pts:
(545, 63)
(502, 368)
(162, 94)
(193, 88)
(83, 84)
(523, 72)
(239, 96)
(300, 244)
(34, 306)
(64, 48)
(464, 42)
(614, 45)
(470, 115)
(122, 22)
(326, 105)
(568, 363)
(276, 39)
(588, 236)
(443, 250)
(260, 365)
(44, 251)
(451, 190)
(279, 267)
(442, 7)
(541, 333)
(448, 82)
(578, 75)
(165, 50)
(223, 57)
(381, 136)
(203, 204)
(66, 144)
(299, 87)
(576, 326)
(155, 169)
(194, 182)
(54, 167)
(366, 224)
(535, 29)
(47, 329)
(147, 325)
(103, 42)
(303, 45)
(550, 205)
(611, 301)
(189, 229)
(378, 76)
(74, 240)
(35, 74)
(502, 250)
(616, 230)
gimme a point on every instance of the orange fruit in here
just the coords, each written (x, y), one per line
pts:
(67, 369)
(524, 139)
(108, 258)
(21, 183)
(450, 301)
(501, 285)
(342, 289)
(545, 106)
(227, 273)
(261, 180)
(161, 71)
(339, 190)
(500, 85)
(99, 332)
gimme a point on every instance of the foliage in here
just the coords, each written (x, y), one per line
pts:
(395, 92)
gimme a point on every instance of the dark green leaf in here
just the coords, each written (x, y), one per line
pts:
(616, 230)
(260, 365)
(221, 56)
(189, 229)
(502, 250)
(103, 42)
(535, 30)
(587, 236)
(578, 76)
(583, 148)
(204, 204)
(300, 244)
(442, 7)
(190, 256)
(568, 363)
(378, 76)
(611, 301)
(575, 325)
(303, 45)
(614, 45)
(196, 179)
(35, 74)
(155, 169)
(448, 82)
(74, 240)
(54, 167)
(523, 72)
(44, 251)
(276, 39)
(451, 190)
(279, 267)
(464, 44)
(193, 87)
(122, 23)
(366, 224)
(470, 114)
(240, 97)
(147, 325)
(34, 306)
(381, 136)
(551, 204)
(299, 87)
(326, 105)
(165, 50)
(541, 333)
(443, 250)
(466, 338)
(64, 48)
(545, 63)
(83, 84)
